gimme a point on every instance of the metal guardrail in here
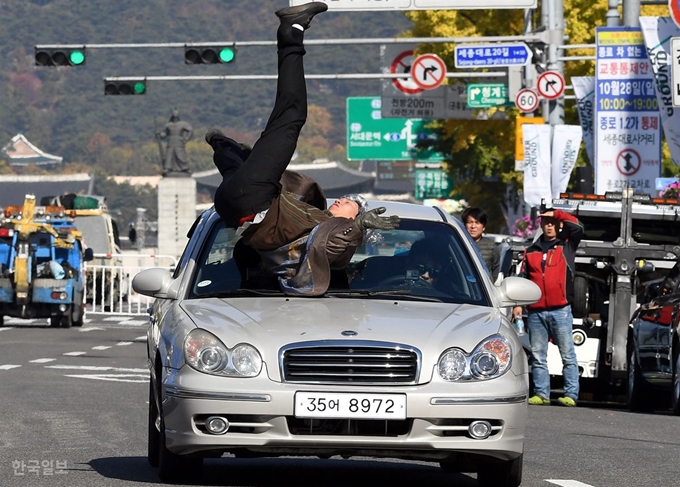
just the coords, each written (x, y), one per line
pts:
(108, 287)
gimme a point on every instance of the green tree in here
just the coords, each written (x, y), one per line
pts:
(480, 154)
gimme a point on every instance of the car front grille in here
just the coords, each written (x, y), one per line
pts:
(346, 427)
(350, 363)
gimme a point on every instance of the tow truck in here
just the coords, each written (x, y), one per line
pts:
(631, 240)
(42, 264)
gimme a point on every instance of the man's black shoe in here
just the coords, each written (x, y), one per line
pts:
(301, 14)
(213, 137)
(216, 139)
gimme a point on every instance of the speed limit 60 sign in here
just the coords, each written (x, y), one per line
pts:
(526, 100)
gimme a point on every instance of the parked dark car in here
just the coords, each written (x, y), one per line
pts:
(654, 348)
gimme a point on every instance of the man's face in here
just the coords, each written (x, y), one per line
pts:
(345, 208)
(474, 227)
(550, 227)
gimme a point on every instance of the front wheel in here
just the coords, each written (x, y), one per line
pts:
(501, 473)
(675, 398)
(172, 467)
(639, 394)
(154, 436)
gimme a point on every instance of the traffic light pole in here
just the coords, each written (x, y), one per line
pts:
(538, 37)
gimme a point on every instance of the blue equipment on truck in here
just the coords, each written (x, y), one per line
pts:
(42, 261)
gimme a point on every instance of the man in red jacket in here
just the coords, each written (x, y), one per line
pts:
(549, 262)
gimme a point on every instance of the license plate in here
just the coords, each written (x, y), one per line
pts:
(350, 405)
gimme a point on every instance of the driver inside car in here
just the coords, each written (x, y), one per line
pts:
(426, 261)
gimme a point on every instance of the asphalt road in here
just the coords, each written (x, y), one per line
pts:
(73, 408)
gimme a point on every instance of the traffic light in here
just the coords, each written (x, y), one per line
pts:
(124, 86)
(208, 54)
(59, 55)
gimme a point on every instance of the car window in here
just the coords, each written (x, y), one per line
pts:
(421, 259)
(216, 267)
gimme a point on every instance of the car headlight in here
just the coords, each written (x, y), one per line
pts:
(205, 352)
(490, 359)
(452, 364)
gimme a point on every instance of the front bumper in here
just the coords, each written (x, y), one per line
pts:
(261, 416)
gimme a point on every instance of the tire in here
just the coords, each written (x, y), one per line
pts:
(67, 320)
(2, 320)
(501, 473)
(154, 436)
(579, 306)
(450, 467)
(55, 321)
(79, 320)
(639, 396)
(173, 468)
(675, 391)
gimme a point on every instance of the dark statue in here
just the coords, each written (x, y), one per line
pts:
(174, 159)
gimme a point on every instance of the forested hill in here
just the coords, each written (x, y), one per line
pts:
(64, 110)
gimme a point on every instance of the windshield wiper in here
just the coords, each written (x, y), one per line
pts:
(240, 292)
(405, 294)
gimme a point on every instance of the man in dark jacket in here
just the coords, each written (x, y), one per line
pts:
(288, 221)
(549, 262)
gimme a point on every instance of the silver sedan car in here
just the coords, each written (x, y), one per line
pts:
(410, 354)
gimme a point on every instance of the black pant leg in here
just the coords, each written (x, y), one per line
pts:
(254, 184)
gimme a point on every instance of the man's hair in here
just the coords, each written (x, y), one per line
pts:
(476, 213)
(359, 200)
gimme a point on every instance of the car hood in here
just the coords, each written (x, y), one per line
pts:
(270, 323)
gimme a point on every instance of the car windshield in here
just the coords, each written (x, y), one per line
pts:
(421, 260)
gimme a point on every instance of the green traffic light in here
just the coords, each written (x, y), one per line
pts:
(139, 88)
(227, 54)
(77, 57)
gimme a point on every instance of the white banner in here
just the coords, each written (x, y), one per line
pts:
(658, 32)
(565, 146)
(584, 91)
(536, 140)
(627, 124)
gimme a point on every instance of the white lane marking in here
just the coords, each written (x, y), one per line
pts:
(114, 377)
(99, 368)
(141, 338)
(90, 328)
(101, 347)
(122, 344)
(8, 367)
(115, 318)
(6, 328)
(74, 354)
(42, 360)
(568, 483)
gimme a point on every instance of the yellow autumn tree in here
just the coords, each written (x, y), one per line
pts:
(480, 154)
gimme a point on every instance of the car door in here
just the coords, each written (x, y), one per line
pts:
(653, 328)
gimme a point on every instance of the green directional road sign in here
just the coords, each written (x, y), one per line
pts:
(486, 95)
(369, 136)
(432, 183)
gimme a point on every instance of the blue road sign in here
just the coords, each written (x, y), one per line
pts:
(483, 55)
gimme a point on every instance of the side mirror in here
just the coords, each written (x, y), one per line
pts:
(517, 291)
(156, 282)
(88, 255)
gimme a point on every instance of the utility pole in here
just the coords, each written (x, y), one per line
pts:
(552, 14)
(631, 13)
(613, 14)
